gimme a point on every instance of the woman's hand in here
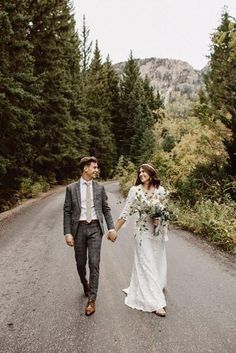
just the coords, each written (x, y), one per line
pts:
(111, 235)
(69, 240)
(119, 224)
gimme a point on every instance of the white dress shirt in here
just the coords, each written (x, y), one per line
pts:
(83, 190)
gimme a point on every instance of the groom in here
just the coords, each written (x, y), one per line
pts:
(84, 208)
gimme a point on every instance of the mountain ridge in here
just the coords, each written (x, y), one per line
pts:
(173, 78)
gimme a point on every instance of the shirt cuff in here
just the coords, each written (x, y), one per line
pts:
(111, 230)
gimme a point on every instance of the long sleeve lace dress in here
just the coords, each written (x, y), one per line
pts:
(149, 273)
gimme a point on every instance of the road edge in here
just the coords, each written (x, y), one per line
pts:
(26, 203)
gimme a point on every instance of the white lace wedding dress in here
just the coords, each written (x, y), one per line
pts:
(149, 273)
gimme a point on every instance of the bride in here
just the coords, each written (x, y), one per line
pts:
(149, 271)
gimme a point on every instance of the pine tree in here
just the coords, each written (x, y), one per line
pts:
(221, 81)
(113, 95)
(129, 105)
(142, 142)
(77, 104)
(85, 47)
(17, 95)
(153, 99)
(138, 114)
(102, 144)
(57, 143)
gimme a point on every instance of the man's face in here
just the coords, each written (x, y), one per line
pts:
(91, 171)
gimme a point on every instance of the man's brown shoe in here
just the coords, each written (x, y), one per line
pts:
(90, 308)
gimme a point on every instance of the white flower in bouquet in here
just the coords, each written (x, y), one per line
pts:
(155, 208)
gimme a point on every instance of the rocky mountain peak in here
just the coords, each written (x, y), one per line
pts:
(170, 76)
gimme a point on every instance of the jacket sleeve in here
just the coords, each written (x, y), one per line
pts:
(106, 210)
(67, 220)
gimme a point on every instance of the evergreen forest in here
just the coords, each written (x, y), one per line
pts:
(60, 101)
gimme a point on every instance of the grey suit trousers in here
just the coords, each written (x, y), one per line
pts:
(87, 242)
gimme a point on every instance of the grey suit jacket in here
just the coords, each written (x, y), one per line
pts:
(72, 207)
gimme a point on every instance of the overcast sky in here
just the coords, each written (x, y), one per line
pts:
(176, 29)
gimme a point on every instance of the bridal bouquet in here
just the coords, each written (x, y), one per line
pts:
(158, 213)
(155, 210)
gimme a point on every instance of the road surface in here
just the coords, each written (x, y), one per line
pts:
(42, 302)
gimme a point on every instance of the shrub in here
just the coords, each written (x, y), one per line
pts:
(210, 219)
(32, 188)
(126, 174)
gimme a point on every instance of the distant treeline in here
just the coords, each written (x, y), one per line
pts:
(59, 101)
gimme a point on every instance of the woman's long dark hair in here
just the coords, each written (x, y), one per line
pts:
(150, 170)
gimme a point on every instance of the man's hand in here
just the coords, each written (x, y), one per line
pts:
(111, 235)
(69, 239)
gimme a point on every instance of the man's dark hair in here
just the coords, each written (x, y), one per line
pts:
(86, 161)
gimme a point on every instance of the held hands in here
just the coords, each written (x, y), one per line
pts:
(156, 221)
(112, 235)
(69, 239)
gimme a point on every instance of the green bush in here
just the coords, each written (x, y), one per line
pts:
(126, 174)
(189, 190)
(210, 219)
(32, 188)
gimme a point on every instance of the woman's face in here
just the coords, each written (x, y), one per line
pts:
(144, 177)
